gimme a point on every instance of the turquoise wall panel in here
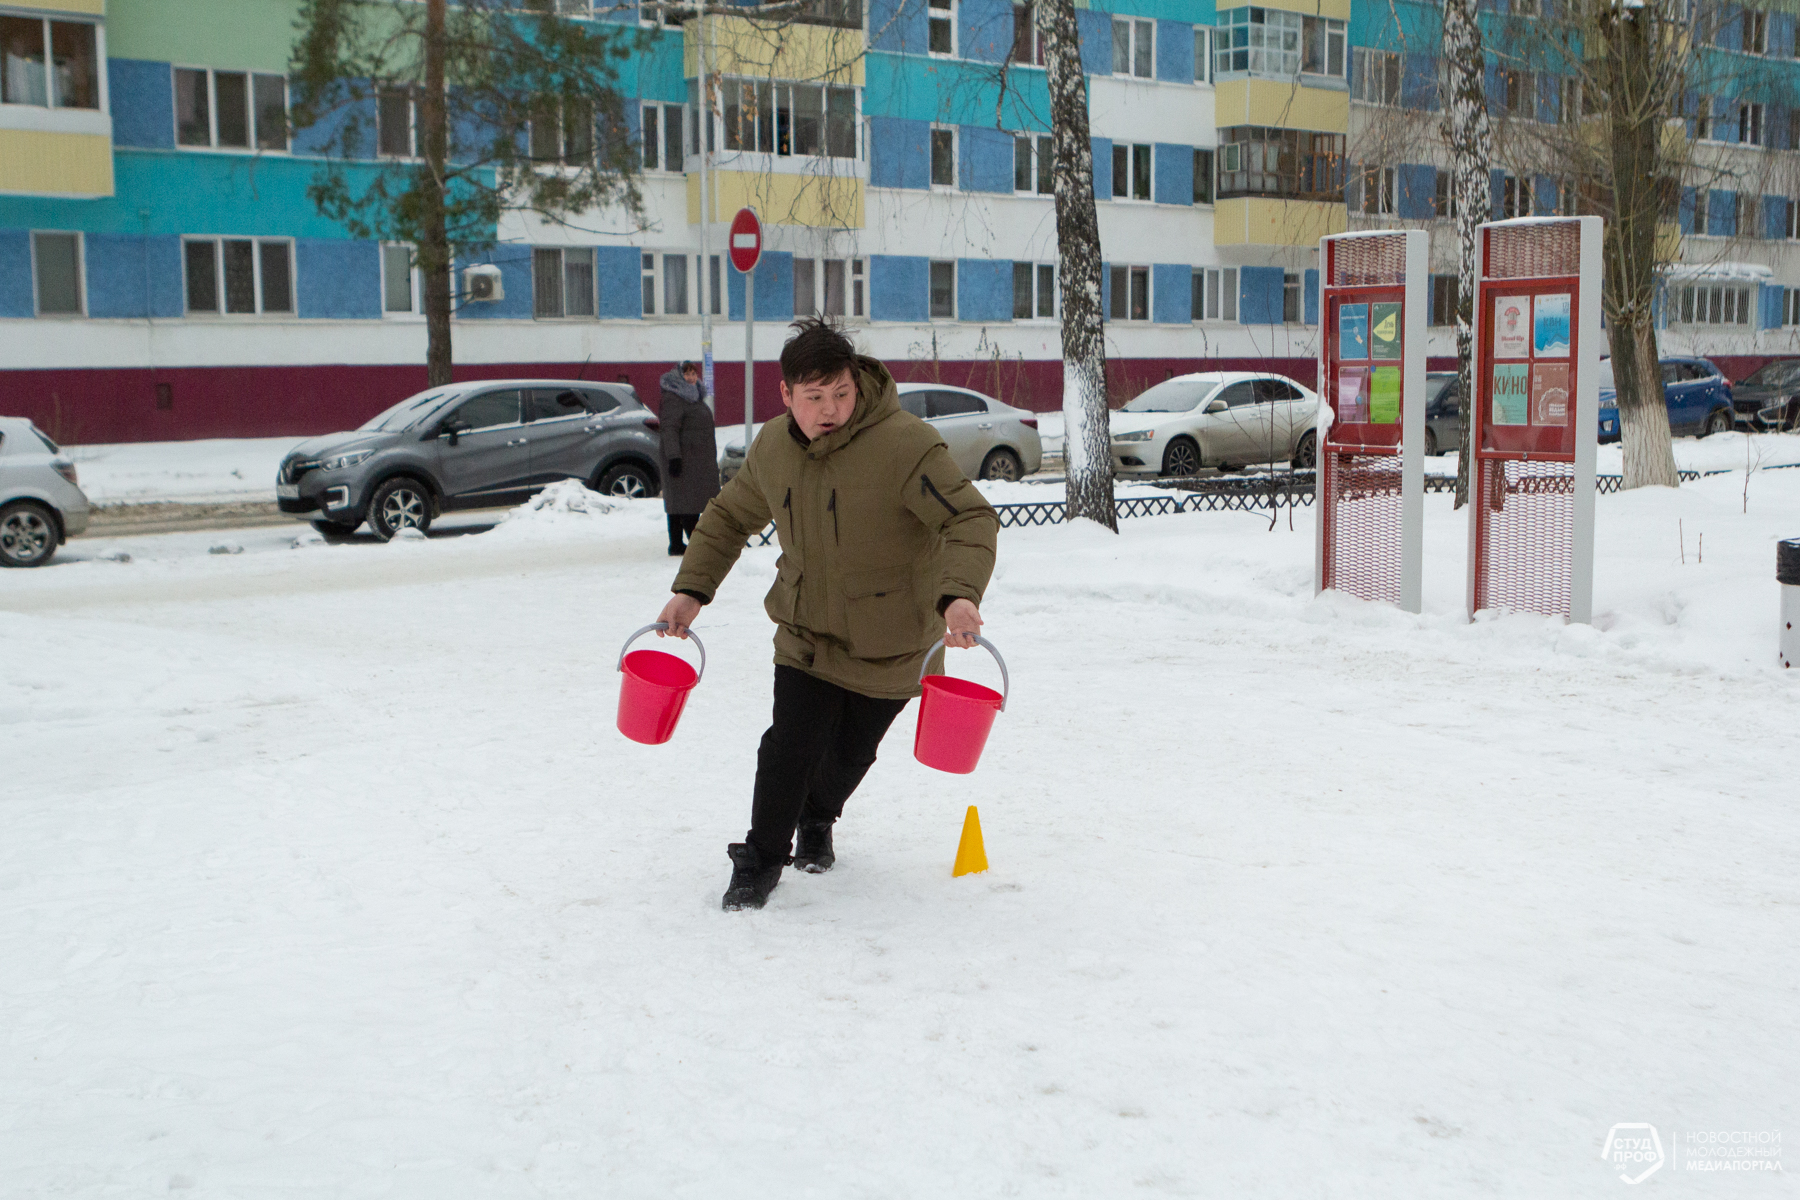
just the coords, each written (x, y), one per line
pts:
(954, 93)
(1194, 12)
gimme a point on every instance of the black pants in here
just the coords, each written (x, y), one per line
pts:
(681, 524)
(822, 743)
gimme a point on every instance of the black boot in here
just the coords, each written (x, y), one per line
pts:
(812, 848)
(751, 879)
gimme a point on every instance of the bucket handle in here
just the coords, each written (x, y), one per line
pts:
(652, 627)
(1005, 679)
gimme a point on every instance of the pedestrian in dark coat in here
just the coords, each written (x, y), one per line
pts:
(689, 452)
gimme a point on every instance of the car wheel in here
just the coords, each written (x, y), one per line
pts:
(1181, 458)
(400, 503)
(1002, 464)
(1717, 421)
(628, 480)
(1431, 446)
(1306, 454)
(332, 531)
(28, 535)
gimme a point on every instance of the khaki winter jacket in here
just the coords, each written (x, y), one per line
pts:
(877, 526)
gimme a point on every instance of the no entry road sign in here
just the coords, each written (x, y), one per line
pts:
(746, 240)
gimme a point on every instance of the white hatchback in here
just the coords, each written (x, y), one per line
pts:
(1222, 419)
(41, 505)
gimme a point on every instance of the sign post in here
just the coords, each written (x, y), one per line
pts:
(1371, 439)
(1534, 417)
(746, 250)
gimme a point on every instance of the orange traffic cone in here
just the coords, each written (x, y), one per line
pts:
(971, 857)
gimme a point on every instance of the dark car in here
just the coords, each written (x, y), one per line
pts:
(1696, 393)
(1443, 409)
(1770, 398)
(471, 445)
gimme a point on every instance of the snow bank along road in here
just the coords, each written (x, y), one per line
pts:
(326, 874)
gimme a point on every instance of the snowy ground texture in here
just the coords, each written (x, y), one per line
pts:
(326, 874)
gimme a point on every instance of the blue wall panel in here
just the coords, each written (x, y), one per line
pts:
(321, 137)
(899, 153)
(343, 279)
(1096, 41)
(1721, 213)
(984, 30)
(1775, 211)
(986, 159)
(1102, 149)
(1171, 293)
(1259, 295)
(515, 280)
(774, 288)
(1175, 51)
(1769, 310)
(127, 273)
(16, 299)
(1173, 181)
(1496, 193)
(899, 288)
(983, 290)
(1310, 296)
(898, 26)
(1418, 190)
(1781, 35)
(618, 274)
(1418, 81)
(1543, 194)
(143, 103)
(1684, 216)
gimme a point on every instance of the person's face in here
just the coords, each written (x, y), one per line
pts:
(821, 405)
(692, 375)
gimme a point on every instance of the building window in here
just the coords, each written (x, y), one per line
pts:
(715, 289)
(1750, 124)
(1749, 212)
(56, 273)
(1376, 189)
(1130, 171)
(943, 289)
(1515, 197)
(649, 282)
(1290, 298)
(1444, 292)
(1129, 294)
(1790, 306)
(1294, 163)
(941, 36)
(830, 287)
(661, 136)
(234, 110)
(1034, 165)
(1034, 290)
(563, 131)
(239, 276)
(1262, 41)
(1322, 47)
(1712, 304)
(1377, 79)
(1756, 32)
(1518, 93)
(1703, 118)
(789, 119)
(395, 122)
(1793, 218)
(675, 285)
(1134, 48)
(1215, 294)
(1700, 205)
(1028, 46)
(943, 157)
(1203, 177)
(1443, 196)
(1203, 59)
(562, 282)
(50, 64)
(399, 286)
(1524, 8)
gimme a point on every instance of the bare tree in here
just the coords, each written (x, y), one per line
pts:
(1471, 152)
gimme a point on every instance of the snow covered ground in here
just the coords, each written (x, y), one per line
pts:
(212, 470)
(326, 874)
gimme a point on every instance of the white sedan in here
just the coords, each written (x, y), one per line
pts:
(1221, 419)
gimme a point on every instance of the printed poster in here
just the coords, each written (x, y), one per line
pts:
(1550, 325)
(1512, 328)
(1550, 393)
(1384, 392)
(1353, 331)
(1384, 330)
(1510, 391)
(1353, 394)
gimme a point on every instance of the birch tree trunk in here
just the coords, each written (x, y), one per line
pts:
(434, 245)
(1471, 152)
(1087, 441)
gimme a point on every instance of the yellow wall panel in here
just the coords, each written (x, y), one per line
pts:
(1311, 8)
(1264, 221)
(816, 53)
(1281, 106)
(89, 8)
(832, 202)
(55, 164)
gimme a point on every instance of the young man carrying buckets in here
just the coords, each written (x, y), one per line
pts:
(885, 548)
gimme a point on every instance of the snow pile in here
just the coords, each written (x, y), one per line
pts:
(211, 470)
(566, 497)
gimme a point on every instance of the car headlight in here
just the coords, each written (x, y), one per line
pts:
(345, 460)
(1142, 435)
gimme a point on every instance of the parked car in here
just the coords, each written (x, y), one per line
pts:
(41, 503)
(1770, 397)
(1443, 408)
(1221, 419)
(1696, 393)
(987, 438)
(471, 445)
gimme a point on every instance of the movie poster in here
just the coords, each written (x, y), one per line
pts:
(1550, 325)
(1512, 327)
(1384, 393)
(1550, 393)
(1353, 395)
(1511, 393)
(1353, 331)
(1384, 331)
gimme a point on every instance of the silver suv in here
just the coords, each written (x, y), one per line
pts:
(41, 505)
(471, 445)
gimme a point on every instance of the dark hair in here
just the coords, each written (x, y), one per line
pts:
(819, 350)
(690, 365)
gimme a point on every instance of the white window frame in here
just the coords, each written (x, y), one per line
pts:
(414, 284)
(412, 125)
(1382, 199)
(1516, 196)
(1336, 42)
(1131, 155)
(1267, 51)
(256, 277)
(1137, 29)
(1037, 289)
(1713, 305)
(955, 161)
(772, 87)
(1755, 31)
(567, 151)
(102, 101)
(1293, 295)
(933, 9)
(562, 283)
(1753, 128)
(1790, 306)
(1203, 54)
(1704, 121)
(253, 118)
(1793, 219)
(1749, 215)
(929, 286)
(853, 296)
(653, 15)
(1131, 272)
(1375, 71)
(81, 291)
(1700, 207)
(1570, 107)
(666, 110)
(1037, 40)
(1038, 149)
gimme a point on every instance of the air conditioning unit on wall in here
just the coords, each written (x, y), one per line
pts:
(482, 283)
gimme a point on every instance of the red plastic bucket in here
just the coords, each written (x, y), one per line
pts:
(653, 689)
(956, 716)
